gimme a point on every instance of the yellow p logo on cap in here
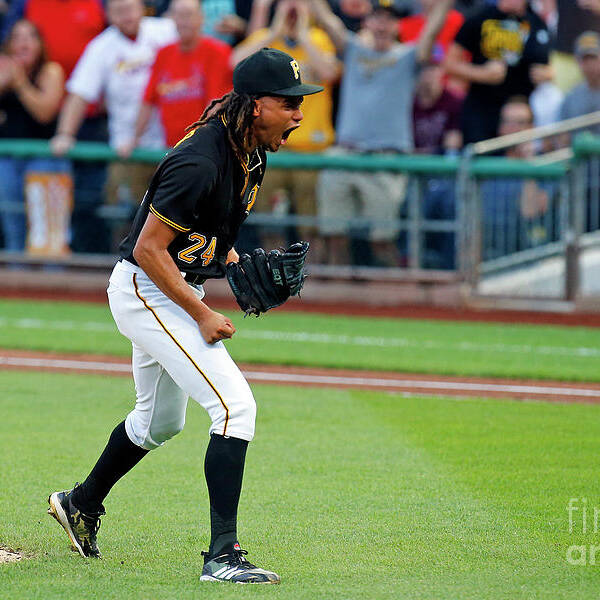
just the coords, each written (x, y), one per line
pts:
(296, 68)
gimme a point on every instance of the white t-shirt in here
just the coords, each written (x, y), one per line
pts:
(118, 68)
(545, 102)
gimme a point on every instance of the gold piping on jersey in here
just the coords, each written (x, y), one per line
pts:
(137, 293)
(167, 221)
(244, 166)
(246, 179)
(189, 134)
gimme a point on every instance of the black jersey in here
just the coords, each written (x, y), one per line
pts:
(520, 42)
(203, 191)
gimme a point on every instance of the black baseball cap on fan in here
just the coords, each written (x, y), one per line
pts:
(395, 8)
(270, 72)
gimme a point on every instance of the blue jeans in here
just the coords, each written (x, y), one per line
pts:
(13, 172)
(439, 204)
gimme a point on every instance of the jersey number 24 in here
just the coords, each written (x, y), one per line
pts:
(188, 255)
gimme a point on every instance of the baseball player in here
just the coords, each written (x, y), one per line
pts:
(183, 234)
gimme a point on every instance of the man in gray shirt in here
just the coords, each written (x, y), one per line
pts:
(585, 97)
(374, 115)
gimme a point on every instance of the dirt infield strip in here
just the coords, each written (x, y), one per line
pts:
(411, 384)
(7, 556)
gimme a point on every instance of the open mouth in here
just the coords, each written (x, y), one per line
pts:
(286, 134)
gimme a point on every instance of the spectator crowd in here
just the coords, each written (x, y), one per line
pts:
(400, 77)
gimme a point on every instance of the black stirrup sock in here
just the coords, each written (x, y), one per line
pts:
(119, 457)
(224, 469)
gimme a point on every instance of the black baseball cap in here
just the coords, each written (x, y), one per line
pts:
(270, 72)
(393, 7)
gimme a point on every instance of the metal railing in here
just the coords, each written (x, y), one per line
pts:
(533, 134)
(421, 222)
(483, 240)
(418, 233)
(507, 236)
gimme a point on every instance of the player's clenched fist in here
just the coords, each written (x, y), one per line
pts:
(214, 327)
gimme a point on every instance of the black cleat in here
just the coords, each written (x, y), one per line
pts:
(235, 568)
(80, 527)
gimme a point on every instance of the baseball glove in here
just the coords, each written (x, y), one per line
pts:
(262, 281)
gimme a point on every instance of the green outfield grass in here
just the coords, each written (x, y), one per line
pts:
(349, 495)
(458, 348)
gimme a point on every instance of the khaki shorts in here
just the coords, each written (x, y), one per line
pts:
(370, 195)
(297, 186)
(135, 176)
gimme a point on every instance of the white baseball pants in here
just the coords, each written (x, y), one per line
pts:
(171, 362)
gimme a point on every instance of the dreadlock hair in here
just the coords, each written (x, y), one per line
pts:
(237, 111)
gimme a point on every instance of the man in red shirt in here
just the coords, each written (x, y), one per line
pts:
(185, 76)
